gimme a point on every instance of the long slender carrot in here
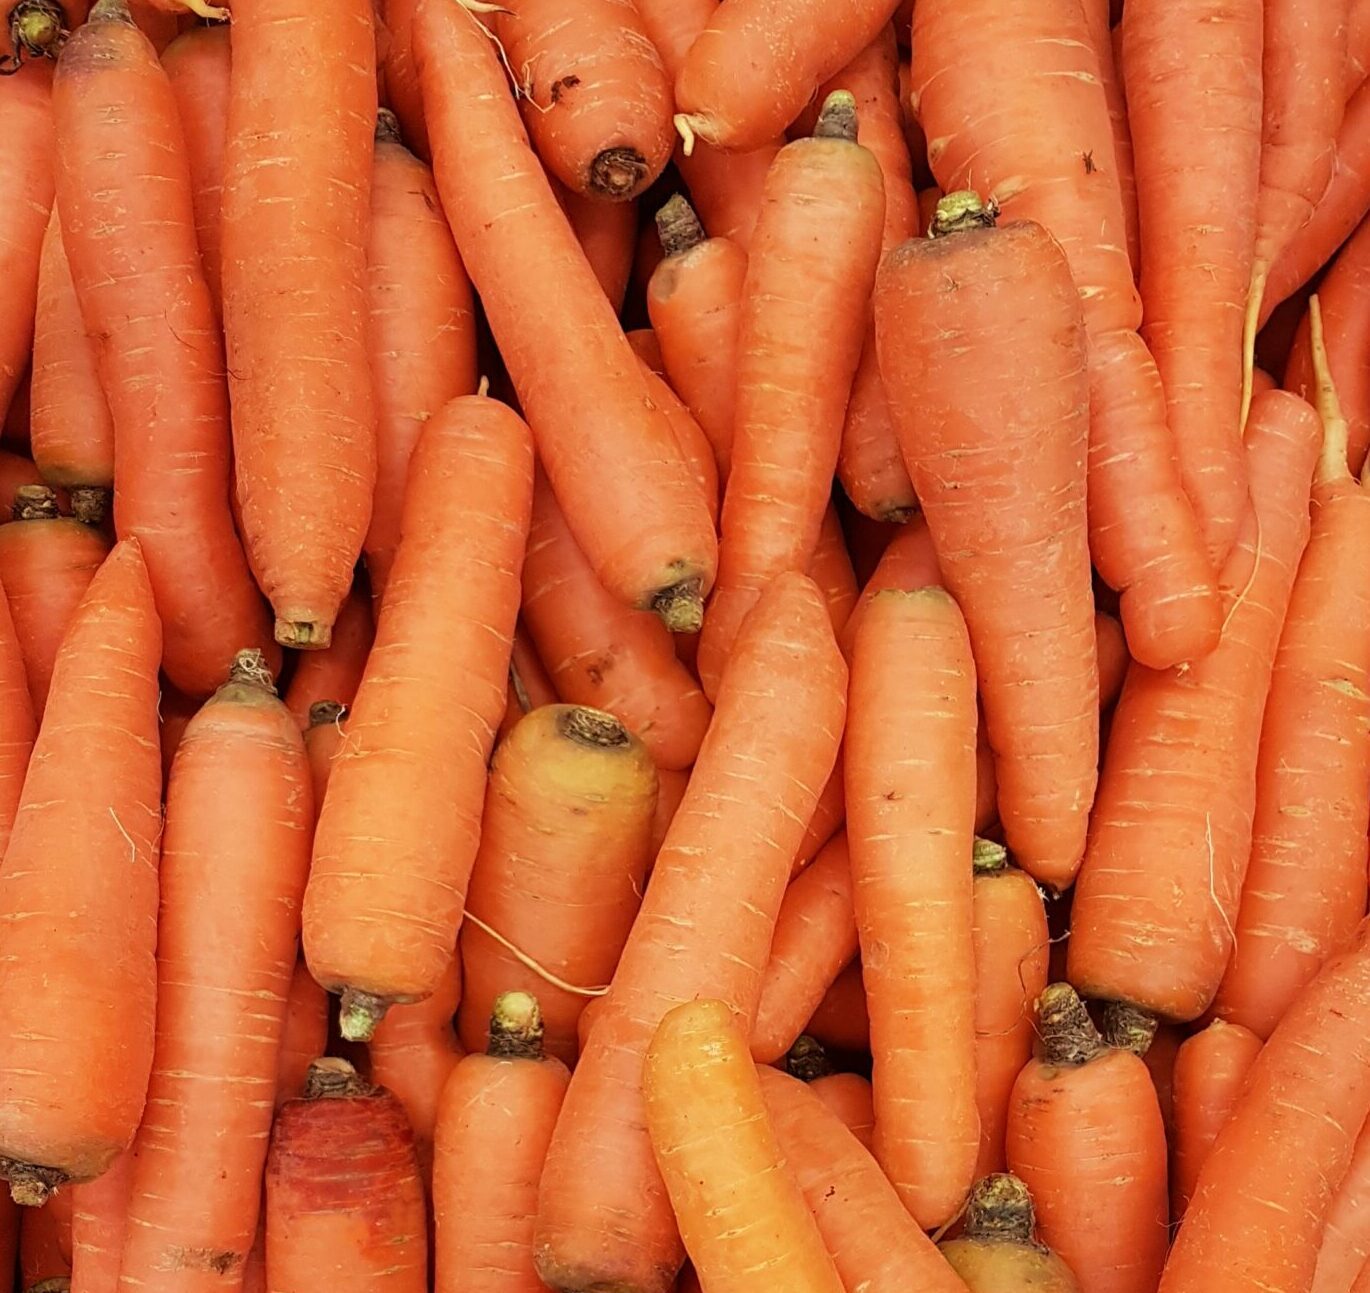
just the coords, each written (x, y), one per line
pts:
(344, 1200)
(78, 894)
(386, 889)
(609, 455)
(1009, 524)
(999, 1249)
(18, 725)
(704, 930)
(296, 203)
(1097, 17)
(304, 1031)
(820, 225)
(1345, 1246)
(335, 672)
(155, 330)
(1155, 906)
(99, 1216)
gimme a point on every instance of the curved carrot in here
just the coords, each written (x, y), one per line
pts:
(606, 233)
(431, 697)
(1009, 524)
(335, 672)
(742, 1217)
(1155, 905)
(18, 725)
(841, 1020)
(78, 896)
(421, 328)
(998, 1251)
(296, 205)
(1345, 1246)
(820, 225)
(704, 930)
(610, 456)
(99, 1216)
(304, 1032)
(155, 330)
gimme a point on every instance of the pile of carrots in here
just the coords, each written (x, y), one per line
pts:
(675, 646)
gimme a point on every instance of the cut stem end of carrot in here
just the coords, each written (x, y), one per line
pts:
(37, 28)
(334, 1079)
(592, 727)
(1000, 1207)
(678, 226)
(249, 669)
(515, 1027)
(962, 211)
(360, 1013)
(31, 1186)
(988, 858)
(303, 634)
(681, 607)
(90, 503)
(35, 503)
(1067, 1032)
(387, 127)
(837, 119)
(1127, 1028)
(808, 1060)
(111, 11)
(618, 174)
(324, 712)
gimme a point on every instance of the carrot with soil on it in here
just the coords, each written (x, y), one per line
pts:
(99, 1216)
(998, 1250)
(610, 456)
(335, 672)
(304, 1031)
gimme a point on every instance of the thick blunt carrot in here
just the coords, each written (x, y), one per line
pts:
(1345, 1246)
(155, 331)
(344, 1201)
(71, 432)
(704, 930)
(998, 1251)
(999, 466)
(910, 772)
(1193, 75)
(798, 349)
(874, 1243)
(1210, 1075)
(742, 1217)
(1157, 899)
(1306, 1098)
(78, 895)
(304, 1032)
(610, 455)
(495, 1120)
(1032, 134)
(296, 206)
(1085, 1135)
(387, 888)
(239, 820)
(99, 1217)
(18, 724)
(335, 672)
(752, 69)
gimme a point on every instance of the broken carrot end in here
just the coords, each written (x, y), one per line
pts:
(303, 634)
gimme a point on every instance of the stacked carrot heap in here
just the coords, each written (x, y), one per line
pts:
(684, 646)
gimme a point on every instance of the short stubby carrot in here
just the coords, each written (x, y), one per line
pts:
(335, 672)
(609, 453)
(154, 331)
(1157, 899)
(18, 724)
(78, 895)
(998, 462)
(797, 351)
(99, 1222)
(704, 930)
(386, 887)
(296, 206)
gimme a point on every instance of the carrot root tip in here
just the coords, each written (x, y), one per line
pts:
(837, 118)
(807, 1059)
(90, 503)
(1067, 1032)
(618, 173)
(31, 1186)
(334, 1079)
(515, 1027)
(1127, 1028)
(360, 1013)
(303, 634)
(681, 607)
(678, 226)
(1000, 1207)
(592, 727)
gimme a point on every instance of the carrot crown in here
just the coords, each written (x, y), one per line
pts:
(1067, 1032)
(249, 667)
(324, 712)
(988, 858)
(1000, 1208)
(837, 119)
(1127, 1028)
(593, 727)
(515, 1027)
(387, 127)
(37, 30)
(334, 1079)
(961, 211)
(31, 1186)
(35, 503)
(110, 11)
(678, 226)
(807, 1060)
(359, 1013)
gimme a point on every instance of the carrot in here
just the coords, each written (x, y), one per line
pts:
(673, 26)
(610, 457)
(197, 65)
(815, 937)
(670, 793)
(78, 895)
(566, 828)
(431, 696)
(1305, 887)
(15, 471)
(873, 1241)
(1303, 73)
(704, 930)
(421, 332)
(1304, 1102)
(254, 1273)
(495, 1119)
(324, 740)
(826, 819)
(1032, 133)
(70, 429)
(743, 1219)
(304, 1031)
(1111, 647)
(998, 1251)
(1085, 1136)
(1097, 17)
(335, 672)
(755, 65)
(1160, 1060)
(605, 231)
(1009, 929)
(1210, 1072)
(45, 1246)
(694, 446)
(344, 1200)
(908, 562)
(841, 1020)
(99, 1215)
(529, 685)
(830, 568)
(849, 1096)
(819, 225)
(726, 188)
(1008, 526)
(155, 330)
(1357, 46)
(1157, 898)
(601, 653)
(17, 722)
(296, 206)
(1345, 1245)
(1362, 1284)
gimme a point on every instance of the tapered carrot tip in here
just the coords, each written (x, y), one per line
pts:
(359, 1014)
(837, 118)
(31, 1186)
(680, 607)
(1126, 1028)
(515, 1027)
(1000, 1207)
(678, 226)
(110, 11)
(324, 712)
(617, 173)
(1067, 1032)
(303, 634)
(807, 1059)
(90, 503)
(36, 28)
(35, 503)
(334, 1079)
(592, 727)
(962, 211)
(987, 857)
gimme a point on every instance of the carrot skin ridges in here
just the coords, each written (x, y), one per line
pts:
(1345, 1245)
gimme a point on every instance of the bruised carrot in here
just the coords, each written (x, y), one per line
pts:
(99, 1216)
(304, 1031)
(841, 1020)
(1345, 1246)
(998, 1250)
(334, 673)
(605, 231)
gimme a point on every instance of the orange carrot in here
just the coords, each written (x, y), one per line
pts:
(850, 1097)
(1008, 525)
(45, 1246)
(830, 568)
(820, 225)
(78, 895)
(726, 188)
(674, 25)
(670, 793)
(494, 1122)
(704, 930)
(1111, 646)
(609, 455)
(386, 889)
(1345, 1246)
(403, 93)
(1097, 16)
(344, 1200)
(304, 1032)
(155, 330)
(910, 561)
(99, 1215)
(742, 1217)
(826, 819)
(841, 1020)
(695, 447)
(1357, 46)
(254, 1273)
(998, 1251)
(529, 685)
(421, 331)
(606, 232)
(296, 206)
(334, 673)
(16, 470)
(1156, 902)
(17, 722)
